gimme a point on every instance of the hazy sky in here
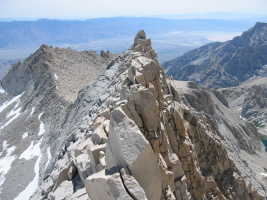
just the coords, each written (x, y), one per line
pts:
(111, 8)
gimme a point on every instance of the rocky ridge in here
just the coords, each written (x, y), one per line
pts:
(35, 97)
(224, 64)
(136, 134)
(59, 67)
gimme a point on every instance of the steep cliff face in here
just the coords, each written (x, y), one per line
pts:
(36, 96)
(136, 134)
(224, 64)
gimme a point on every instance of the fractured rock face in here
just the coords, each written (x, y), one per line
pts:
(102, 186)
(129, 148)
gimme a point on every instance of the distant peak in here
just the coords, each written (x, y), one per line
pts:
(140, 36)
(43, 46)
(260, 24)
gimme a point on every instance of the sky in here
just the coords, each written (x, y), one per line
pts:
(75, 9)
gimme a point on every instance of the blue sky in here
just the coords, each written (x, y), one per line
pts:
(74, 9)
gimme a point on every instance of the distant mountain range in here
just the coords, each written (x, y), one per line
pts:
(224, 64)
(25, 33)
(171, 37)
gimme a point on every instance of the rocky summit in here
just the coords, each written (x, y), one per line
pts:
(134, 133)
(224, 64)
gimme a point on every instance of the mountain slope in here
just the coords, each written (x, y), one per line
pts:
(35, 98)
(224, 64)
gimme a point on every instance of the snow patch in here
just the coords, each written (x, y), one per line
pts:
(5, 162)
(29, 153)
(56, 76)
(14, 111)
(32, 111)
(8, 103)
(14, 114)
(2, 91)
(17, 104)
(264, 174)
(243, 118)
(40, 115)
(49, 156)
(41, 128)
(25, 135)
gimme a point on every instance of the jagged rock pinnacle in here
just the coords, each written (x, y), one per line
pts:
(140, 36)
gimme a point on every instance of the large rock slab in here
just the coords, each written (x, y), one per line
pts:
(107, 187)
(132, 185)
(127, 147)
(64, 191)
(149, 107)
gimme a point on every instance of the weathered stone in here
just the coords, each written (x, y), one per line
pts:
(135, 116)
(93, 153)
(127, 147)
(178, 119)
(140, 78)
(132, 186)
(104, 186)
(64, 191)
(65, 170)
(105, 114)
(102, 161)
(175, 164)
(140, 36)
(99, 135)
(149, 108)
(79, 195)
(84, 166)
(83, 146)
(167, 176)
(98, 121)
(106, 126)
(44, 190)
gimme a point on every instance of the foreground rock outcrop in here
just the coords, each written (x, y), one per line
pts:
(136, 134)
